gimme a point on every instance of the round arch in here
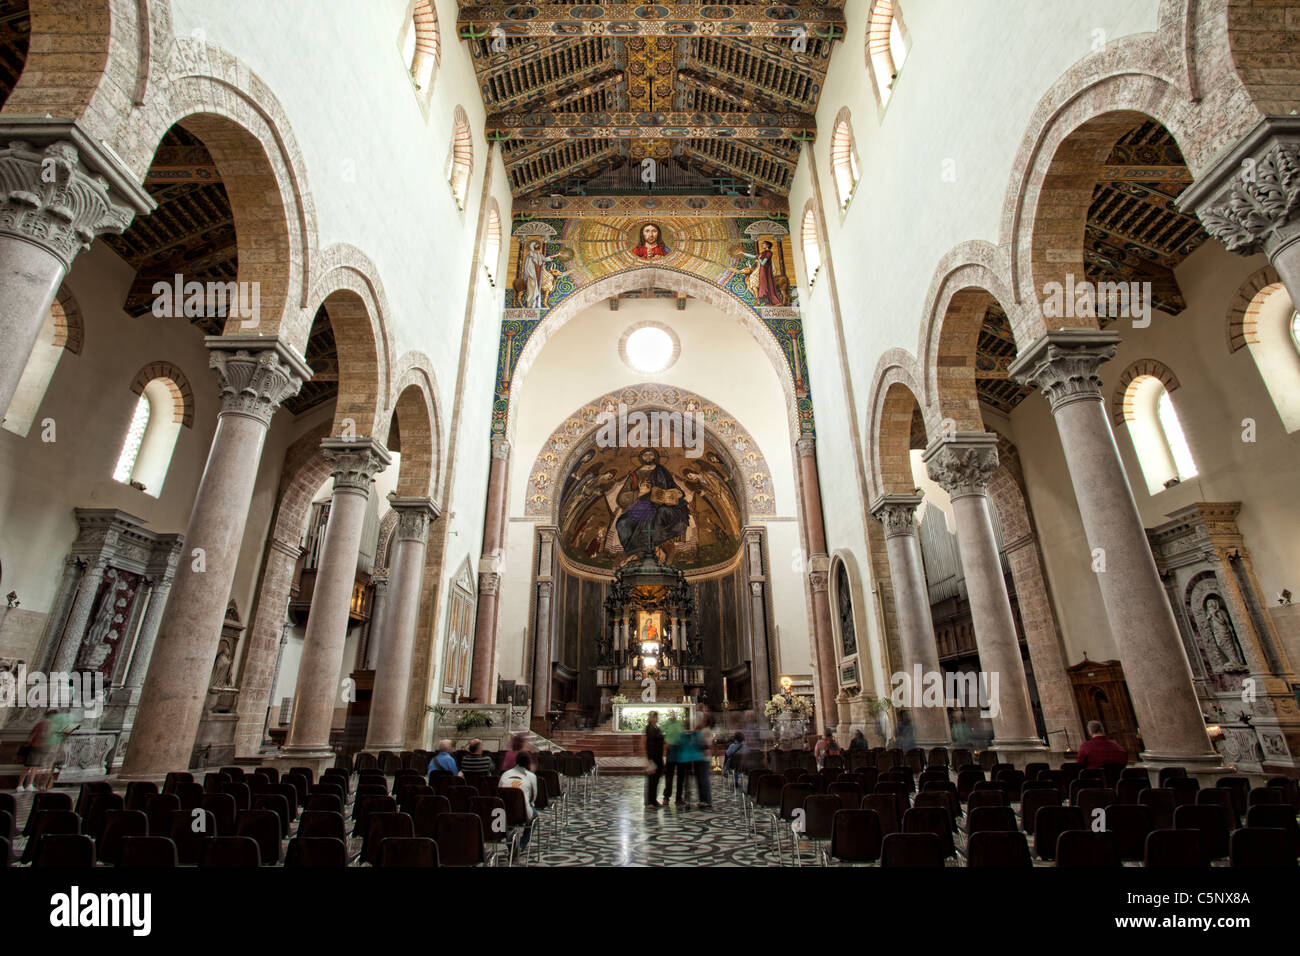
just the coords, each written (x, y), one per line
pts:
(894, 403)
(658, 277)
(413, 400)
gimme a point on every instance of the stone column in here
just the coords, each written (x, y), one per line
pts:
(759, 660)
(912, 606)
(1063, 366)
(542, 650)
(354, 462)
(59, 611)
(483, 674)
(378, 622)
(61, 190)
(823, 645)
(75, 631)
(144, 645)
(393, 668)
(256, 671)
(1248, 199)
(255, 374)
(962, 466)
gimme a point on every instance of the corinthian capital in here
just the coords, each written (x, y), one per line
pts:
(963, 465)
(255, 373)
(59, 189)
(1063, 365)
(1249, 198)
(354, 462)
(806, 446)
(897, 513)
(488, 582)
(413, 518)
(500, 449)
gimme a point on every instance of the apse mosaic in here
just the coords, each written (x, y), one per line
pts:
(693, 502)
(748, 257)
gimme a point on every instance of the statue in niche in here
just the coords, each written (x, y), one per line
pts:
(221, 667)
(1224, 645)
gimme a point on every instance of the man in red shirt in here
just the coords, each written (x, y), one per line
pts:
(1100, 749)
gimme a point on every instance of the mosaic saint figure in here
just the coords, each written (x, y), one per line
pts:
(652, 246)
(654, 509)
(762, 280)
(539, 281)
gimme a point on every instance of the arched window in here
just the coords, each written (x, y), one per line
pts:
(812, 252)
(1157, 434)
(492, 245)
(165, 404)
(420, 44)
(62, 331)
(844, 159)
(1263, 321)
(886, 47)
(460, 157)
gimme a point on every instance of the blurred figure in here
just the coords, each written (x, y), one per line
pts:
(961, 735)
(826, 745)
(45, 743)
(521, 777)
(654, 755)
(518, 745)
(859, 741)
(443, 760)
(735, 750)
(1099, 749)
(692, 757)
(904, 734)
(673, 730)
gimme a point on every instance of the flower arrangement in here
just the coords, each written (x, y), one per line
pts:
(618, 699)
(798, 707)
(472, 719)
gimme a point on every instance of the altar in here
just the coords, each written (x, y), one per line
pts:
(632, 718)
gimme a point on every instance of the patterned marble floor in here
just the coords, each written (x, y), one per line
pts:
(613, 828)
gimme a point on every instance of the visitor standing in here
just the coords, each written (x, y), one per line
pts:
(654, 755)
(673, 730)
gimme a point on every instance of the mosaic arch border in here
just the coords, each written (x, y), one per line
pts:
(557, 450)
(522, 339)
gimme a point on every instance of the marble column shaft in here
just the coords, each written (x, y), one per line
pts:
(483, 673)
(912, 607)
(962, 466)
(378, 621)
(542, 650)
(1063, 366)
(75, 630)
(255, 374)
(355, 463)
(148, 636)
(824, 656)
(56, 201)
(393, 667)
(257, 671)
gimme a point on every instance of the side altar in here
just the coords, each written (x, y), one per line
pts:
(632, 718)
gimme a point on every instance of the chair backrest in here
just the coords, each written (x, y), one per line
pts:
(1261, 848)
(793, 796)
(982, 819)
(1169, 849)
(1091, 799)
(885, 806)
(230, 852)
(408, 852)
(43, 823)
(931, 820)
(277, 803)
(138, 793)
(1049, 823)
(87, 791)
(819, 814)
(937, 757)
(222, 808)
(427, 810)
(176, 777)
(271, 774)
(1170, 773)
(98, 806)
(1222, 797)
(188, 831)
(322, 823)
(1211, 821)
(317, 853)
(46, 800)
(1128, 789)
(1030, 803)
(367, 805)
(1161, 804)
(911, 850)
(65, 851)
(460, 839)
(1086, 849)
(159, 810)
(191, 793)
(1277, 817)
(966, 780)
(856, 836)
(516, 805)
(1034, 768)
(147, 853)
(264, 827)
(940, 799)
(986, 798)
(998, 849)
(242, 794)
(1140, 774)
(770, 786)
(324, 802)
(118, 825)
(380, 827)
(1130, 823)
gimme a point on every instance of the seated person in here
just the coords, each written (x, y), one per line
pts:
(521, 777)
(1100, 749)
(476, 761)
(443, 760)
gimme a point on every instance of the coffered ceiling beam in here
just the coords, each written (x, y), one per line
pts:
(552, 125)
(781, 20)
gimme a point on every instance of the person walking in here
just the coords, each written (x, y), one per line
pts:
(673, 730)
(654, 755)
(692, 757)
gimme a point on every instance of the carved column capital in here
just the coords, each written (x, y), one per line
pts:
(756, 588)
(54, 192)
(354, 463)
(964, 464)
(500, 449)
(1063, 365)
(414, 516)
(806, 446)
(819, 581)
(544, 590)
(1249, 199)
(488, 582)
(897, 513)
(254, 374)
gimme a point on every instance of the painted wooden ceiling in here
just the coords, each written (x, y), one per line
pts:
(720, 96)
